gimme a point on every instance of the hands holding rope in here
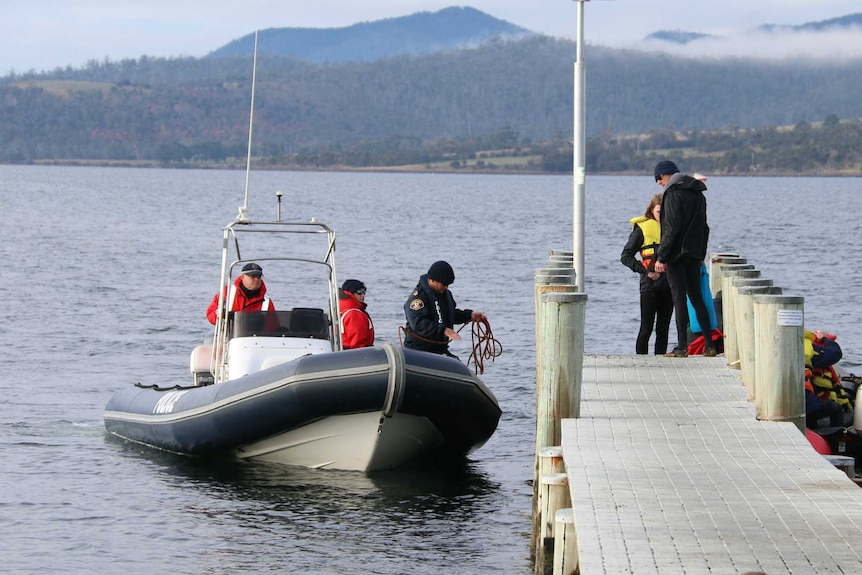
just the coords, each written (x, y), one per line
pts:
(476, 316)
(485, 346)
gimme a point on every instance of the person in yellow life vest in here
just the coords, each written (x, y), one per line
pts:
(656, 301)
(824, 394)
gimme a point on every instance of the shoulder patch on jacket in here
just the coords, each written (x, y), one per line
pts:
(417, 304)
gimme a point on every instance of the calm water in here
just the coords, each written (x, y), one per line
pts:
(106, 277)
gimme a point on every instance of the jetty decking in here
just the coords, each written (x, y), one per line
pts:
(670, 472)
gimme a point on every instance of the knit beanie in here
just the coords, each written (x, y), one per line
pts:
(441, 272)
(352, 285)
(665, 167)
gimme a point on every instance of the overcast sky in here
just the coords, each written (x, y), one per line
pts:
(44, 34)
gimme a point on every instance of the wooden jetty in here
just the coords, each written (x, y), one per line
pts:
(655, 465)
(670, 472)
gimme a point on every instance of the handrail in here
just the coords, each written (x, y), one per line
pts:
(231, 261)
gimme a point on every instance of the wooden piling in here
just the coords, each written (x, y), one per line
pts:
(745, 332)
(560, 317)
(565, 543)
(780, 358)
(719, 279)
(549, 280)
(715, 262)
(559, 336)
(549, 462)
(554, 495)
(731, 348)
(735, 284)
(553, 279)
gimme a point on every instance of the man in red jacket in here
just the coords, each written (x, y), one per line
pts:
(248, 293)
(357, 329)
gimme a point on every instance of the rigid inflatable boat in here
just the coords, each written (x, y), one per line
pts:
(277, 385)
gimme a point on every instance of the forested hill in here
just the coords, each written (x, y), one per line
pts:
(420, 33)
(141, 109)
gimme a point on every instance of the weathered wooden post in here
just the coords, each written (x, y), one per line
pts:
(550, 464)
(560, 356)
(565, 543)
(560, 258)
(728, 319)
(736, 283)
(780, 364)
(719, 274)
(714, 267)
(547, 280)
(745, 331)
(554, 495)
(551, 281)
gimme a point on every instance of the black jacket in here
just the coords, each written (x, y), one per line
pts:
(428, 316)
(684, 231)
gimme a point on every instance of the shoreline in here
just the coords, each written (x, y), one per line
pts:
(413, 169)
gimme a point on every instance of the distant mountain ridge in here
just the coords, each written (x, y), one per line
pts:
(416, 34)
(833, 24)
(677, 36)
(842, 22)
(522, 88)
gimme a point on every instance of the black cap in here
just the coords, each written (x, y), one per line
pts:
(663, 168)
(352, 286)
(441, 272)
(253, 270)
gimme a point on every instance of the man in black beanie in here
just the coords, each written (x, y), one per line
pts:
(431, 312)
(684, 237)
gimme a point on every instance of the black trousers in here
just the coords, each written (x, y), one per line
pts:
(656, 311)
(684, 278)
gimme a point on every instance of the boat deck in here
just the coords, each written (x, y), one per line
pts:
(670, 472)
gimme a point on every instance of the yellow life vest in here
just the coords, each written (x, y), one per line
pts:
(651, 230)
(825, 384)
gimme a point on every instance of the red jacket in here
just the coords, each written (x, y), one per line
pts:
(357, 329)
(241, 302)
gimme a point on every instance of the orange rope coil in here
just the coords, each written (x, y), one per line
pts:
(485, 346)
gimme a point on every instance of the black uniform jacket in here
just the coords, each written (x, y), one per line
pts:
(428, 316)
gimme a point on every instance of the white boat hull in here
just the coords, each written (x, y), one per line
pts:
(357, 442)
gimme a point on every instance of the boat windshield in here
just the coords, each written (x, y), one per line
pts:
(298, 322)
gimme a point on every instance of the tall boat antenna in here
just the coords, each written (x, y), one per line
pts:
(243, 212)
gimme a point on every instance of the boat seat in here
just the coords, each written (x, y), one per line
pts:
(308, 322)
(304, 322)
(199, 364)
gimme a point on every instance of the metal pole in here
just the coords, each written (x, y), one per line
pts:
(244, 210)
(579, 155)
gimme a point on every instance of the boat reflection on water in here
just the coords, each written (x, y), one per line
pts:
(433, 488)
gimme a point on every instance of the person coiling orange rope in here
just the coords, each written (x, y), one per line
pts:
(485, 345)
